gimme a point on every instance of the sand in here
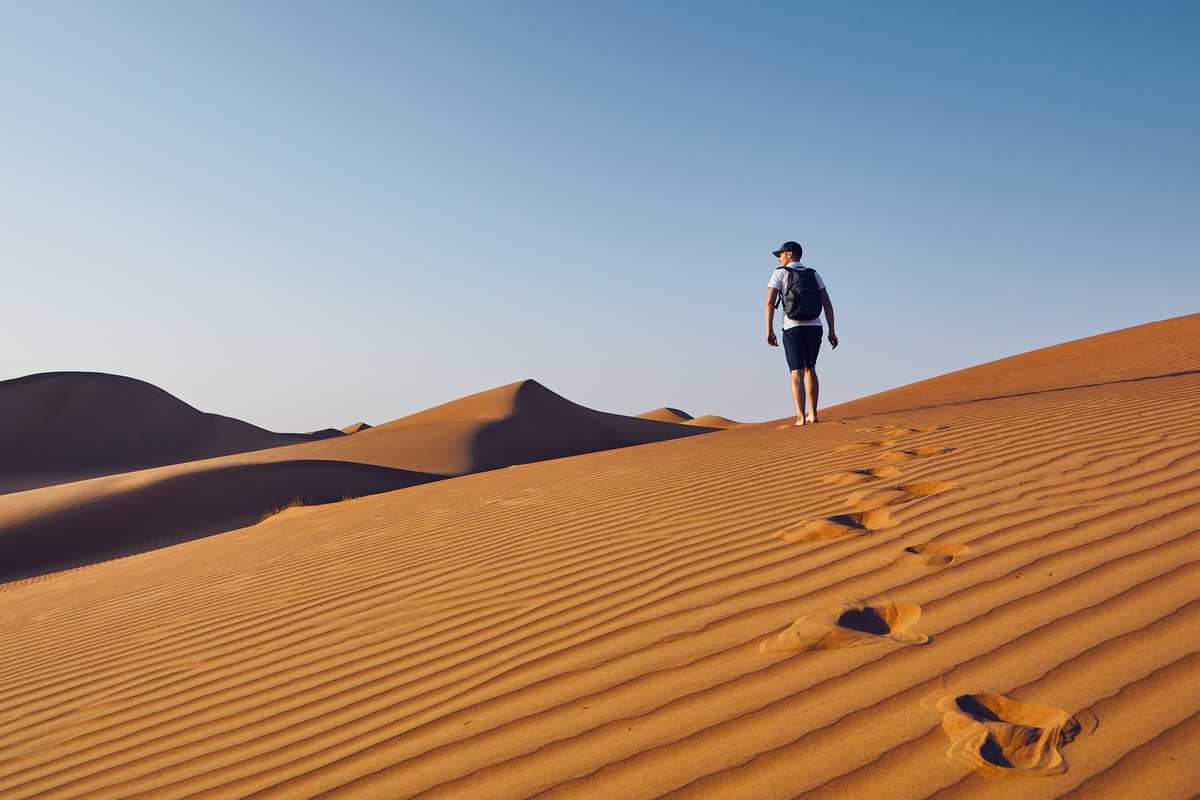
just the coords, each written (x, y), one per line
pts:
(712, 421)
(80, 522)
(638, 622)
(75, 425)
(666, 414)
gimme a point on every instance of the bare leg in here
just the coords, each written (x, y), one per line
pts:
(798, 396)
(813, 386)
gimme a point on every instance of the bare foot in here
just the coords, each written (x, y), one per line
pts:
(799, 423)
(812, 419)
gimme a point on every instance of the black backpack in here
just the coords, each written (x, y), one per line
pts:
(801, 296)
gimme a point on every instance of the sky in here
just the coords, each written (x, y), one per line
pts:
(308, 214)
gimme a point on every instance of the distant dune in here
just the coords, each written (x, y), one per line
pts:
(82, 521)
(513, 424)
(712, 421)
(356, 427)
(666, 414)
(982, 586)
(66, 426)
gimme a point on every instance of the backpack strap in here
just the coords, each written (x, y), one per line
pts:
(787, 284)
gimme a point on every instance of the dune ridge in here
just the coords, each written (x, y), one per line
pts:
(57, 427)
(666, 414)
(1144, 351)
(591, 626)
(713, 421)
(75, 523)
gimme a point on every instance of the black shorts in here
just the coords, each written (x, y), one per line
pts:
(801, 345)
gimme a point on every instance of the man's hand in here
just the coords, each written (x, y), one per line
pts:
(833, 340)
(771, 339)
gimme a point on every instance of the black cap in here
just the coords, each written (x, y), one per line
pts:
(789, 247)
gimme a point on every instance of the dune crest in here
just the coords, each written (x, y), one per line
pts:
(666, 414)
(712, 421)
(70, 524)
(66, 426)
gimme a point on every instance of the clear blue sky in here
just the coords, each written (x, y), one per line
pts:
(307, 214)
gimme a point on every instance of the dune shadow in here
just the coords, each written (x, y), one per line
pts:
(864, 620)
(121, 519)
(849, 625)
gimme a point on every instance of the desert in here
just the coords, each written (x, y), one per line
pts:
(979, 584)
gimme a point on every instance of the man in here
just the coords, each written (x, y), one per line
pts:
(801, 337)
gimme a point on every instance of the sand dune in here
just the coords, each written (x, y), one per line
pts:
(666, 414)
(356, 427)
(712, 421)
(65, 426)
(90, 520)
(594, 626)
(81, 523)
(1155, 349)
(514, 424)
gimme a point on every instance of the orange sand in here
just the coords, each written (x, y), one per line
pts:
(594, 626)
(712, 421)
(667, 414)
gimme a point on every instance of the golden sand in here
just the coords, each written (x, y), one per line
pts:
(595, 626)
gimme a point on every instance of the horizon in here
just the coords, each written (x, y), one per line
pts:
(490, 389)
(303, 218)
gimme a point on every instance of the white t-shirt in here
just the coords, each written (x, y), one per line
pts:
(779, 279)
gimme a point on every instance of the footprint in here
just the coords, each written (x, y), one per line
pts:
(905, 493)
(849, 625)
(925, 488)
(857, 476)
(819, 530)
(840, 526)
(850, 478)
(900, 456)
(931, 554)
(998, 736)
(886, 472)
(858, 447)
(869, 499)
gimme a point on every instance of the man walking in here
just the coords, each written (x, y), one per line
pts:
(803, 296)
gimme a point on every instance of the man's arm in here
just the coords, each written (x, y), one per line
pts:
(827, 304)
(772, 293)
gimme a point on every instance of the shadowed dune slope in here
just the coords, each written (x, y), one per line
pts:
(65, 426)
(666, 414)
(758, 614)
(83, 521)
(513, 424)
(77, 524)
(356, 427)
(1156, 348)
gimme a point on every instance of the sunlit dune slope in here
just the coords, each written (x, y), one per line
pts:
(84, 521)
(356, 427)
(512, 424)
(64, 426)
(1157, 348)
(902, 605)
(712, 421)
(666, 414)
